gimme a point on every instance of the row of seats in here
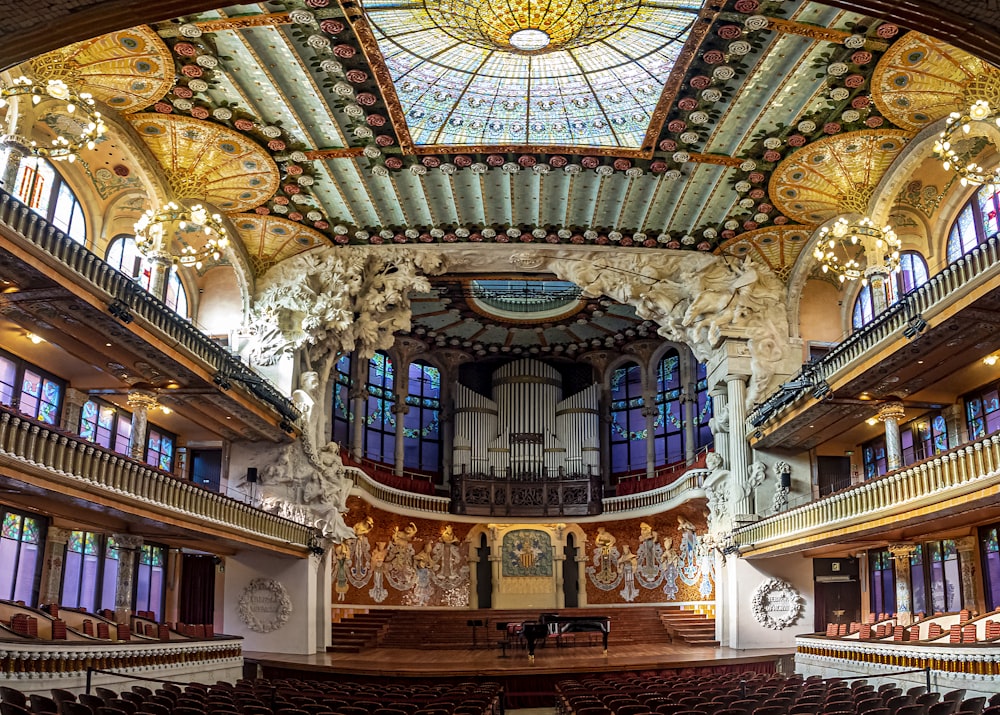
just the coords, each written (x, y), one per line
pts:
(264, 697)
(750, 694)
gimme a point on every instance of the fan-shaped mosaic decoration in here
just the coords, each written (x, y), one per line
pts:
(271, 239)
(834, 175)
(920, 80)
(209, 162)
(127, 70)
(778, 247)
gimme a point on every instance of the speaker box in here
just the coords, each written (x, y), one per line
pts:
(786, 480)
(251, 475)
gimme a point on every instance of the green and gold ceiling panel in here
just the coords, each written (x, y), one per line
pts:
(920, 80)
(271, 239)
(127, 70)
(834, 175)
(209, 162)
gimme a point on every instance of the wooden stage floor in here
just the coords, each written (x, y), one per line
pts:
(483, 662)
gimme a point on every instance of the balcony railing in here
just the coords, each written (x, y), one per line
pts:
(527, 493)
(686, 487)
(980, 265)
(960, 471)
(31, 445)
(126, 298)
(398, 497)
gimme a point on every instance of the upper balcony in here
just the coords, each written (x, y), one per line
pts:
(64, 293)
(953, 319)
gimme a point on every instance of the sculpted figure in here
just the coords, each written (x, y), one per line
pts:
(364, 526)
(403, 537)
(646, 533)
(448, 535)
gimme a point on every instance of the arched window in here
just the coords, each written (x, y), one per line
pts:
(704, 402)
(912, 274)
(40, 187)
(628, 425)
(342, 400)
(380, 421)
(978, 222)
(421, 424)
(668, 427)
(20, 556)
(123, 255)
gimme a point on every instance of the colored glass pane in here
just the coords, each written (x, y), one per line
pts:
(75, 542)
(11, 526)
(111, 548)
(90, 544)
(30, 533)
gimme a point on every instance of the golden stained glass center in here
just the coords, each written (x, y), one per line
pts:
(531, 26)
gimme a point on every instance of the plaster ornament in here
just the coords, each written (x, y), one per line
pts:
(264, 605)
(776, 604)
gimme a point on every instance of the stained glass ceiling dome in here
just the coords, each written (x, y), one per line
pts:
(530, 25)
(564, 73)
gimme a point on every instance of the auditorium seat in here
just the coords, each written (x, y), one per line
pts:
(972, 706)
(91, 701)
(9, 708)
(12, 696)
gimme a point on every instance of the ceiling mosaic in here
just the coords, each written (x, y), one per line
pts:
(732, 126)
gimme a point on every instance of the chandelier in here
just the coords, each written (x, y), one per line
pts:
(842, 245)
(155, 232)
(84, 129)
(969, 172)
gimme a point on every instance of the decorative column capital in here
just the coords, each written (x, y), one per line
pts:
(128, 541)
(902, 551)
(890, 411)
(57, 535)
(139, 398)
(965, 544)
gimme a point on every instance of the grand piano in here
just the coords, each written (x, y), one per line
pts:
(553, 624)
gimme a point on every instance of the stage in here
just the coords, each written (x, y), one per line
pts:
(527, 684)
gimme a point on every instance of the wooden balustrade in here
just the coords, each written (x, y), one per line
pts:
(964, 469)
(31, 444)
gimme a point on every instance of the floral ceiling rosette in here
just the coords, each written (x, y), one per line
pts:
(271, 239)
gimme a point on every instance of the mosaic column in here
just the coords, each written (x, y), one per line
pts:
(358, 394)
(55, 553)
(968, 557)
(558, 563)
(129, 548)
(650, 411)
(877, 281)
(720, 424)
(159, 268)
(689, 407)
(901, 553)
(140, 402)
(889, 415)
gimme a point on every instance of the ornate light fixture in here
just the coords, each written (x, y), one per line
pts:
(82, 133)
(969, 172)
(842, 245)
(155, 231)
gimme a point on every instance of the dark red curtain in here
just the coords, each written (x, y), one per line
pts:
(197, 596)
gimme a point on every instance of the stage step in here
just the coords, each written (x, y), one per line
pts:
(695, 629)
(359, 631)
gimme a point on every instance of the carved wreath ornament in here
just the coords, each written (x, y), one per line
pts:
(776, 604)
(264, 605)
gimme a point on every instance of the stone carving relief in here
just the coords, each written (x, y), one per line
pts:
(776, 604)
(264, 605)
(780, 500)
(322, 304)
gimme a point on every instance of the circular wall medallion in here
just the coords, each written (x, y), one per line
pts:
(776, 604)
(264, 605)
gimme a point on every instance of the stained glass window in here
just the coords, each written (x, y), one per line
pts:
(81, 569)
(123, 255)
(982, 411)
(40, 187)
(944, 576)
(912, 274)
(990, 550)
(883, 583)
(160, 449)
(109, 577)
(106, 425)
(8, 379)
(668, 425)
(964, 234)
(704, 402)
(924, 437)
(564, 73)
(873, 456)
(628, 424)
(31, 391)
(149, 580)
(20, 557)
(421, 423)
(918, 589)
(342, 400)
(380, 419)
